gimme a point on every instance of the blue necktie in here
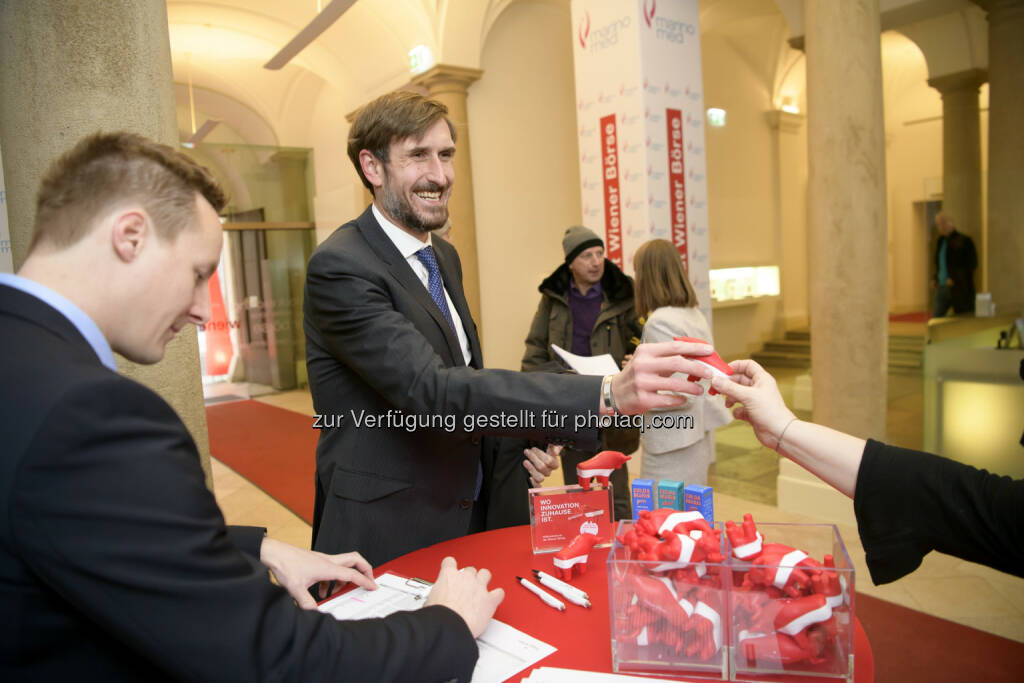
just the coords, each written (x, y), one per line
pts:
(434, 283)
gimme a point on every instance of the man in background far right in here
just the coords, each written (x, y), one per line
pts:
(955, 261)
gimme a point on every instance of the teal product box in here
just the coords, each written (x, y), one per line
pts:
(670, 494)
(643, 495)
(699, 498)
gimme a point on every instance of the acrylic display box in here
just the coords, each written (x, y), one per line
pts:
(729, 620)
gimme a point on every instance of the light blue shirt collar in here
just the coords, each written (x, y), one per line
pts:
(75, 315)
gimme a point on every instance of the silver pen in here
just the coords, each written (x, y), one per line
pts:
(561, 586)
(548, 599)
(573, 596)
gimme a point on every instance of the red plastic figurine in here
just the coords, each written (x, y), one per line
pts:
(600, 466)
(575, 555)
(712, 360)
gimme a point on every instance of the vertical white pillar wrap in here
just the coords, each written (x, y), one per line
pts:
(640, 117)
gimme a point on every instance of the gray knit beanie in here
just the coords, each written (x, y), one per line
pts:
(577, 239)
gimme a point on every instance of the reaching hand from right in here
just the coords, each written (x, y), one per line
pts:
(757, 400)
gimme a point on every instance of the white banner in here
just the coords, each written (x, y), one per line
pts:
(6, 258)
(640, 121)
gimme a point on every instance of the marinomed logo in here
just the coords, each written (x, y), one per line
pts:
(601, 37)
(649, 11)
(584, 30)
(666, 29)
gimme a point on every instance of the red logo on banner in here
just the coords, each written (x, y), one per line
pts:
(584, 30)
(649, 11)
(677, 181)
(612, 206)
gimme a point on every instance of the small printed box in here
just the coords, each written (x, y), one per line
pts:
(643, 495)
(699, 498)
(670, 494)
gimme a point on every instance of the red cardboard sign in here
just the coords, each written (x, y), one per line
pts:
(559, 514)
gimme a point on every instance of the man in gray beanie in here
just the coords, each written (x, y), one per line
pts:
(586, 307)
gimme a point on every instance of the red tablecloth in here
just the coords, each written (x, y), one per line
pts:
(582, 636)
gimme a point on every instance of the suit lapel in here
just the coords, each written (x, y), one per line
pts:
(399, 268)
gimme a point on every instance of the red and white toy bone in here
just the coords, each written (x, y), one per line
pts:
(712, 360)
(658, 522)
(660, 597)
(773, 648)
(600, 466)
(680, 551)
(830, 584)
(783, 568)
(575, 555)
(746, 540)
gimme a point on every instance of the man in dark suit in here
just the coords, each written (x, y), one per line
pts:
(394, 359)
(115, 563)
(955, 262)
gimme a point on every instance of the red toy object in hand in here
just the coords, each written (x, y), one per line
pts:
(712, 360)
(600, 466)
(575, 555)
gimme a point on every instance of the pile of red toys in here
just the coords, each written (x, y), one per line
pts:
(782, 601)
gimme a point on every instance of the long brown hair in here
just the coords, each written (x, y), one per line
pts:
(660, 278)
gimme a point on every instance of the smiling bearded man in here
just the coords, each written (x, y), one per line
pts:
(392, 349)
(389, 333)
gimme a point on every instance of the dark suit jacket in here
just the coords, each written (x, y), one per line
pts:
(115, 563)
(377, 345)
(961, 261)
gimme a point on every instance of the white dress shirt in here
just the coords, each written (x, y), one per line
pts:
(407, 246)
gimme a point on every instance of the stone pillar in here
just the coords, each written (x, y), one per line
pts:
(961, 149)
(449, 85)
(790, 149)
(846, 224)
(1005, 243)
(70, 69)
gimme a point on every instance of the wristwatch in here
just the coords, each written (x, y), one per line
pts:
(607, 400)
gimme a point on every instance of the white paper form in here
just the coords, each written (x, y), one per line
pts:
(588, 365)
(504, 651)
(547, 674)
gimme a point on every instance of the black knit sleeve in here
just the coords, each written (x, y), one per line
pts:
(909, 503)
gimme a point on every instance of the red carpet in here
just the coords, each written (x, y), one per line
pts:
(273, 448)
(912, 646)
(918, 317)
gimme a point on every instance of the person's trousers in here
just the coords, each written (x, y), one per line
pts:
(943, 300)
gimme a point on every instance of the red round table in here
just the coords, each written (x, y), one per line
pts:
(582, 636)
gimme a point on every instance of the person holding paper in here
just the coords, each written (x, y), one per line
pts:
(115, 562)
(679, 443)
(586, 307)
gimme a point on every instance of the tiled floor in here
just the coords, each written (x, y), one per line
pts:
(744, 481)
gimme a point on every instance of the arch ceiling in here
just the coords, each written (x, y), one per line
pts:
(223, 44)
